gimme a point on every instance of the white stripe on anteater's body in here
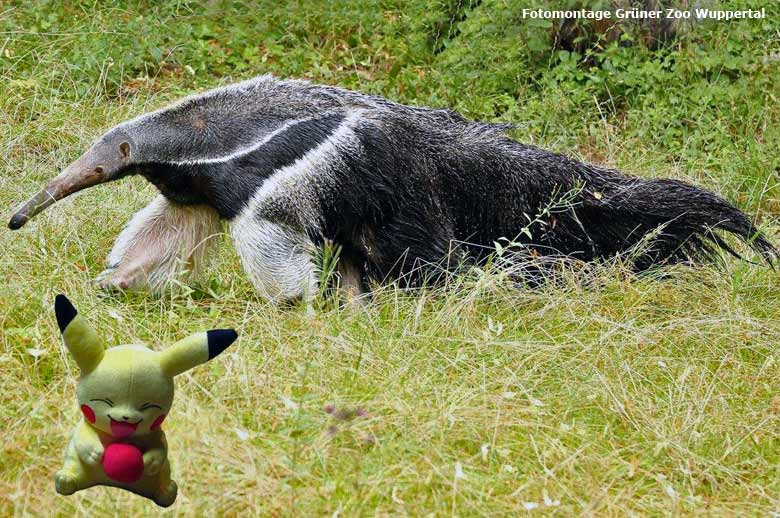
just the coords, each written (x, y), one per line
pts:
(291, 165)
(241, 152)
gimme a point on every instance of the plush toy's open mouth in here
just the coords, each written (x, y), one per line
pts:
(122, 428)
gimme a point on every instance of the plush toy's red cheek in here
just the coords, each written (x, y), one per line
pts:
(157, 422)
(88, 413)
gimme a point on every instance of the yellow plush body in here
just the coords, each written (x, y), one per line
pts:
(125, 393)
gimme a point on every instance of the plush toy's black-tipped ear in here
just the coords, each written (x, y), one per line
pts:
(65, 311)
(80, 339)
(195, 349)
(219, 340)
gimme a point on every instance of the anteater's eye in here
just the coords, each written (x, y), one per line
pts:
(147, 406)
(104, 400)
(99, 169)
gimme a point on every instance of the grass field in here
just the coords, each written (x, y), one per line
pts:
(604, 394)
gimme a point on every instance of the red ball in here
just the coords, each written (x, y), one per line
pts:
(123, 462)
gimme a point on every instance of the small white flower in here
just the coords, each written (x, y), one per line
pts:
(508, 394)
(671, 492)
(243, 435)
(530, 506)
(495, 327)
(290, 404)
(662, 364)
(35, 352)
(508, 468)
(459, 471)
(549, 502)
(115, 315)
(535, 402)
(484, 450)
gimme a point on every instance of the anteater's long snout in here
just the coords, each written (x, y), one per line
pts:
(72, 179)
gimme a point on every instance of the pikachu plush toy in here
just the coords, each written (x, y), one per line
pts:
(125, 392)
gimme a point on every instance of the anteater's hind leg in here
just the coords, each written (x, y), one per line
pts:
(162, 242)
(279, 259)
(351, 281)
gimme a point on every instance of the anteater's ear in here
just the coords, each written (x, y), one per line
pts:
(81, 340)
(195, 349)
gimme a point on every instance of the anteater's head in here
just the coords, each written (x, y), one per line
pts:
(109, 158)
(205, 127)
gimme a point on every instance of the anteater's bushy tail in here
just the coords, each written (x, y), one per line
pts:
(667, 221)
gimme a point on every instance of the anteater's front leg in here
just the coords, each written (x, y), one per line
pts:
(279, 259)
(163, 242)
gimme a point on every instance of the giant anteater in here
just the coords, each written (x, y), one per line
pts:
(403, 191)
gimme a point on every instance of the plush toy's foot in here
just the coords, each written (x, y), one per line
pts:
(165, 497)
(66, 483)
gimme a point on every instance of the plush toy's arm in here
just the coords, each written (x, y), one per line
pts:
(155, 457)
(87, 442)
